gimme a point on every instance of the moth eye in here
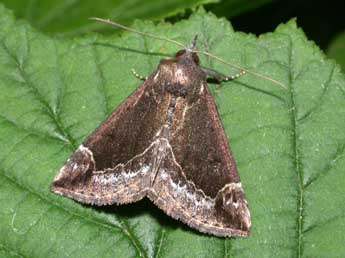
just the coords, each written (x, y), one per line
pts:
(180, 53)
(195, 58)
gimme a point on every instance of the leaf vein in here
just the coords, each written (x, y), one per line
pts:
(12, 251)
(332, 161)
(61, 226)
(317, 106)
(39, 96)
(98, 222)
(102, 84)
(30, 131)
(134, 239)
(296, 153)
(324, 223)
(160, 244)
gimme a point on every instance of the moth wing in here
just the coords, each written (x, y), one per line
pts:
(108, 166)
(198, 181)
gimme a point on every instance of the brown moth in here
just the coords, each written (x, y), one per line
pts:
(165, 142)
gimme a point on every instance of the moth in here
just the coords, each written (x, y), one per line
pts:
(165, 142)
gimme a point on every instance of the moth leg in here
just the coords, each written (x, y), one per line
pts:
(221, 77)
(139, 76)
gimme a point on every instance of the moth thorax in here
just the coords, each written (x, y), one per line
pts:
(181, 76)
(175, 78)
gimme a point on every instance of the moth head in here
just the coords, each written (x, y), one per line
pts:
(186, 53)
(189, 52)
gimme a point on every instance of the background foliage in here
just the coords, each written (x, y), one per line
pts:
(57, 86)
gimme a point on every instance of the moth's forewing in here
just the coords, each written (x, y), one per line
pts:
(111, 165)
(198, 181)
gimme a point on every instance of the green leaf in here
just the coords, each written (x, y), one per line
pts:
(70, 17)
(336, 49)
(289, 144)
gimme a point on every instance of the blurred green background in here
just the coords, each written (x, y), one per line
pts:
(322, 21)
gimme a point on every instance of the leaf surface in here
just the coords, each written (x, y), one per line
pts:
(289, 144)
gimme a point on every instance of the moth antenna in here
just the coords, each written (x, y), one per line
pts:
(259, 75)
(115, 24)
(193, 45)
